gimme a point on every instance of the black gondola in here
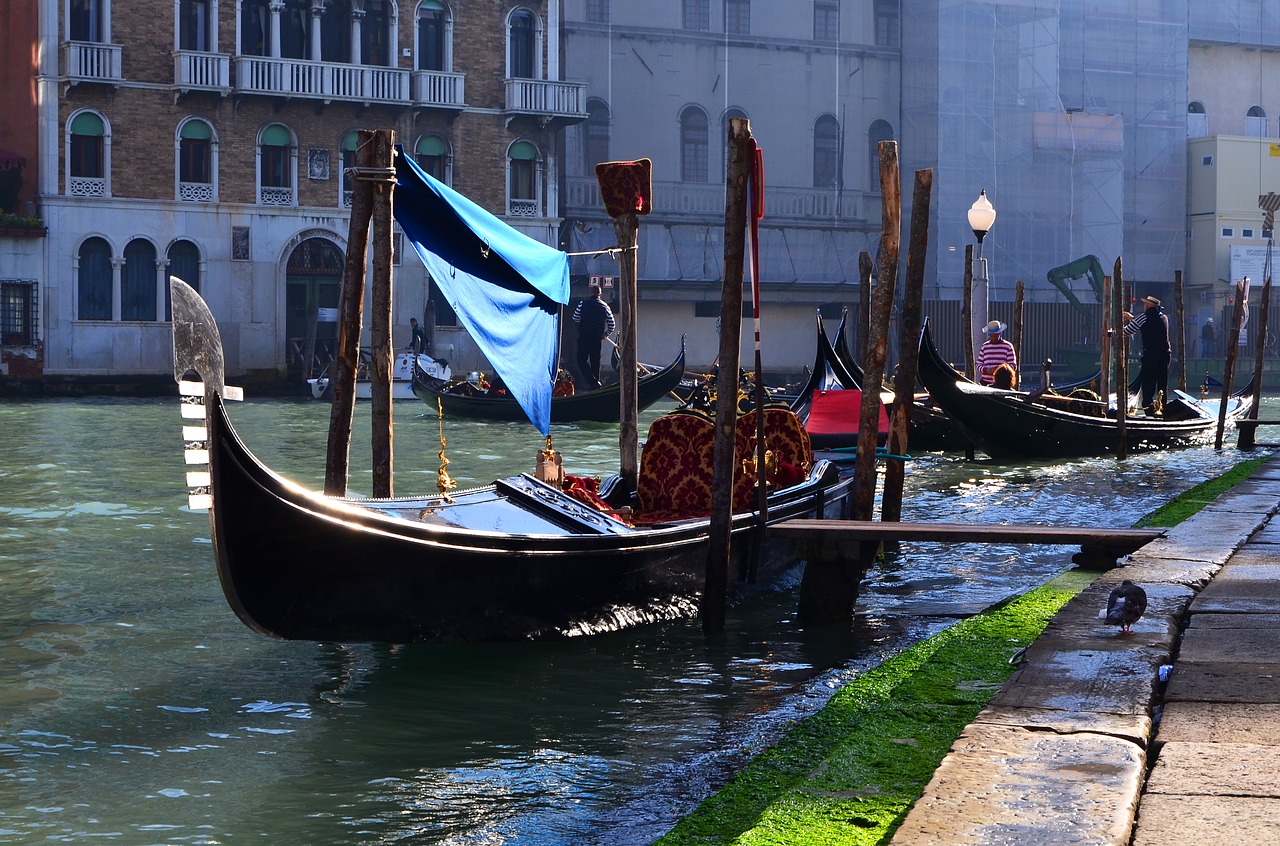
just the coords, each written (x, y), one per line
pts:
(515, 560)
(600, 406)
(1020, 425)
(834, 369)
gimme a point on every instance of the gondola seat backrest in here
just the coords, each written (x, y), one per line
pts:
(785, 436)
(676, 465)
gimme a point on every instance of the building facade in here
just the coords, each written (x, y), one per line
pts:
(208, 139)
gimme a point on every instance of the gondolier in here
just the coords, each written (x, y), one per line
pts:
(1153, 323)
(994, 352)
(595, 323)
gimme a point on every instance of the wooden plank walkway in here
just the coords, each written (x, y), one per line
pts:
(1100, 548)
(1248, 438)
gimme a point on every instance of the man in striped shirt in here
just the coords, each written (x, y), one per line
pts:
(1153, 323)
(994, 352)
(595, 323)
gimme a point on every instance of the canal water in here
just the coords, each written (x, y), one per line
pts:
(135, 708)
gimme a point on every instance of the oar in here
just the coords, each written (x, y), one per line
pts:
(646, 370)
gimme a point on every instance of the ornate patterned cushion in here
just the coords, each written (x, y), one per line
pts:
(785, 437)
(626, 187)
(676, 469)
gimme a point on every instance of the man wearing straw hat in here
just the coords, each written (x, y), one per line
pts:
(994, 352)
(1156, 352)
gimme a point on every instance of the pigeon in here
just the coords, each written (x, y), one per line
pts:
(1125, 606)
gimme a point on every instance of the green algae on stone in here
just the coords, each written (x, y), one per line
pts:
(1184, 505)
(849, 774)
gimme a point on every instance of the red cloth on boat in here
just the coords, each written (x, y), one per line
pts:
(586, 489)
(839, 412)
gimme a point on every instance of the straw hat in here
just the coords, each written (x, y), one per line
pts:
(1151, 301)
(995, 327)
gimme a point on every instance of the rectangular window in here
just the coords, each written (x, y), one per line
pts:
(194, 160)
(737, 17)
(1206, 161)
(193, 25)
(887, 23)
(697, 15)
(1246, 233)
(275, 167)
(255, 22)
(597, 11)
(86, 156)
(1227, 232)
(85, 20)
(17, 312)
(826, 20)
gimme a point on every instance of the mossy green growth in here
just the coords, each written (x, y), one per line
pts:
(849, 774)
(1183, 506)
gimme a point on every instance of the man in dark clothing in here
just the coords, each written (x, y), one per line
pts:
(595, 323)
(1156, 352)
(417, 341)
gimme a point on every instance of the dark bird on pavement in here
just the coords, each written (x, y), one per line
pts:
(1125, 606)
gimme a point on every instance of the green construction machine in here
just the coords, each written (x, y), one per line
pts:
(1089, 267)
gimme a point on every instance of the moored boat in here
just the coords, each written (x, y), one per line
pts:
(601, 405)
(518, 559)
(1019, 424)
(402, 370)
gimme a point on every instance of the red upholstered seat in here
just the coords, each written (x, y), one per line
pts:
(676, 472)
(785, 437)
(676, 464)
(838, 412)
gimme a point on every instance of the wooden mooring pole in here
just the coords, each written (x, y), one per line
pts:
(1229, 367)
(350, 316)
(904, 380)
(834, 568)
(741, 161)
(380, 316)
(1122, 362)
(1180, 314)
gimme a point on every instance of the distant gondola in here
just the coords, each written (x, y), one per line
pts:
(600, 406)
(1022, 425)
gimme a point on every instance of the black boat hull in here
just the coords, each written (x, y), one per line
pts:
(1016, 425)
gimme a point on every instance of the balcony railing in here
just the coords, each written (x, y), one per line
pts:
(196, 70)
(321, 80)
(279, 196)
(683, 198)
(195, 192)
(437, 88)
(543, 97)
(87, 186)
(89, 61)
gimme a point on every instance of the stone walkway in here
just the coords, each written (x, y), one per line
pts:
(1086, 745)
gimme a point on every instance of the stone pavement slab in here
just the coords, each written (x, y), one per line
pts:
(1216, 769)
(1225, 722)
(1007, 785)
(1224, 682)
(1206, 644)
(1133, 727)
(1173, 820)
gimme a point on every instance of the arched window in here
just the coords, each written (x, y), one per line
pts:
(93, 280)
(87, 156)
(1197, 120)
(826, 152)
(335, 31)
(521, 45)
(1255, 122)
(522, 180)
(195, 162)
(184, 263)
(195, 25)
(596, 148)
(432, 155)
(295, 25)
(879, 131)
(693, 145)
(138, 281)
(375, 34)
(255, 28)
(276, 166)
(434, 36)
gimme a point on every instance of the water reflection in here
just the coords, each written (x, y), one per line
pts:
(134, 706)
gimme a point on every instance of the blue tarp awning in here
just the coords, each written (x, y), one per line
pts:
(506, 287)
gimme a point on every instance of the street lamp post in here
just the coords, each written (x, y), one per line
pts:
(981, 217)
